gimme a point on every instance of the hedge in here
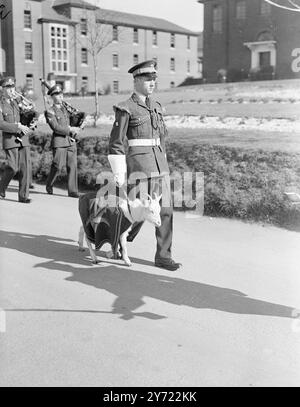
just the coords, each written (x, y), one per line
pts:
(243, 184)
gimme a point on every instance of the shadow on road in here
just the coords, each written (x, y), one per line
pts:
(131, 286)
(13, 188)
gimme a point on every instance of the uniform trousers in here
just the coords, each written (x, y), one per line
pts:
(18, 161)
(64, 156)
(159, 186)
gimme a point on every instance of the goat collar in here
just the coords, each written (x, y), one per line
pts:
(129, 211)
(125, 206)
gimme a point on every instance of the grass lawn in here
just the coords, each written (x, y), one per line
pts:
(268, 110)
(267, 141)
(178, 100)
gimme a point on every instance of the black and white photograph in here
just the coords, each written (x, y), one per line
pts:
(149, 196)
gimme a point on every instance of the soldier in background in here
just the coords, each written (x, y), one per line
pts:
(140, 121)
(15, 139)
(63, 142)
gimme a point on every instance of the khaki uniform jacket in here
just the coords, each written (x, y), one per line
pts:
(58, 119)
(9, 119)
(135, 120)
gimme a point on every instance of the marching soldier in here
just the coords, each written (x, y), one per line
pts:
(140, 120)
(63, 142)
(15, 141)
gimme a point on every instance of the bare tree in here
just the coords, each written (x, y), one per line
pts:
(98, 26)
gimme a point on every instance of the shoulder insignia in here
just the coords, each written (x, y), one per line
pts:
(122, 107)
(162, 109)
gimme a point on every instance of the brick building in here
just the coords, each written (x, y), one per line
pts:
(250, 36)
(51, 37)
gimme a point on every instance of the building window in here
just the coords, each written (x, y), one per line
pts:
(115, 60)
(172, 41)
(135, 59)
(172, 64)
(188, 66)
(28, 51)
(241, 9)
(83, 26)
(172, 84)
(59, 51)
(115, 33)
(84, 56)
(265, 8)
(27, 19)
(84, 85)
(116, 86)
(29, 81)
(188, 42)
(154, 38)
(217, 19)
(135, 36)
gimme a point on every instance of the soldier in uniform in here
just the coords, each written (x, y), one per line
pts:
(15, 139)
(140, 120)
(63, 143)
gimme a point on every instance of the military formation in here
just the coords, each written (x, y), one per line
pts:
(139, 124)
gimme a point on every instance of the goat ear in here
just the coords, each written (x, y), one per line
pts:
(157, 198)
(149, 197)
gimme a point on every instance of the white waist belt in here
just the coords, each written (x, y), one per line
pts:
(144, 142)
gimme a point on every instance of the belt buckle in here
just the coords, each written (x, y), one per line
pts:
(156, 142)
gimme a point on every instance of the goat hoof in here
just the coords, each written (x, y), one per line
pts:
(81, 249)
(128, 263)
(95, 262)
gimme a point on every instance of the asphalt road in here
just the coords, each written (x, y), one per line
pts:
(224, 319)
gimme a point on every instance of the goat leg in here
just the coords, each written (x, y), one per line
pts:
(123, 243)
(92, 253)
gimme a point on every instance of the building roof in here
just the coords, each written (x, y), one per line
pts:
(74, 3)
(140, 21)
(50, 13)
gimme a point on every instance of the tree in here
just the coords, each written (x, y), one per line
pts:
(94, 33)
